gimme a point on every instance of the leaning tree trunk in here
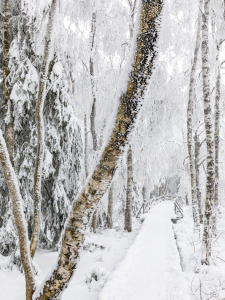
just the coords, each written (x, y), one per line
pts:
(130, 103)
(93, 87)
(210, 174)
(110, 208)
(40, 130)
(190, 140)
(7, 91)
(18, 213)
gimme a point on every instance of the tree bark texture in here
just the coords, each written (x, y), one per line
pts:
(190, 139)
(128, 219)
(217, 139)
(18, 213)
(197, 146)
(210, 174)
(93, 86)
(94, 221)
(40, 130)
(130, 103)
(6, 88)
(110, 208)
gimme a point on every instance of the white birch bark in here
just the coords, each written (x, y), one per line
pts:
(93, 87)
(217, 139)
(190, 129)
(18, 213)
(128, 219)
(86, 201)
(40, 129)
(210, 174)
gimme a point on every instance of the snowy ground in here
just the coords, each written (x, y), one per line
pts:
(205, 282)
(151, 268)
(102, 253)
(142, 265)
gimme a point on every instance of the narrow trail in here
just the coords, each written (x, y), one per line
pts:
(151, 269)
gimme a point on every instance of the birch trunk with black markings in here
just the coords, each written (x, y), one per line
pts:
(128, 219)
(130, 103)
(197, 146)
(18, 213)
(210, 172)
(190, 140)
(93, 87)
(217, 139)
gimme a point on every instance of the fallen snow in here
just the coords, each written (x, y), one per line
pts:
(102, 252)
(205, 282)
(151, 268)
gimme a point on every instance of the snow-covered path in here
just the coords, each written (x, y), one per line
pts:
(151, 269)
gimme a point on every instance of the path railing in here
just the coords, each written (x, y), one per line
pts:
(178, 207)
(146, 205)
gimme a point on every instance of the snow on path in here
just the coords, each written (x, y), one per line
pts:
(151, 269)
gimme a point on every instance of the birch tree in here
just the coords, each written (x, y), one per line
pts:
(40, 130)
(217, 135)
(190, 139)
(128, 219)
(128, 209)
(92, 192)
(210, 175)
(93, 87)
(18, 213)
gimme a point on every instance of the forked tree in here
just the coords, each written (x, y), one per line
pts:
(85, 203)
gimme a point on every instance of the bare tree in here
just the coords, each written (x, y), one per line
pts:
(190, 139)
(40, 129)
(210, 175)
